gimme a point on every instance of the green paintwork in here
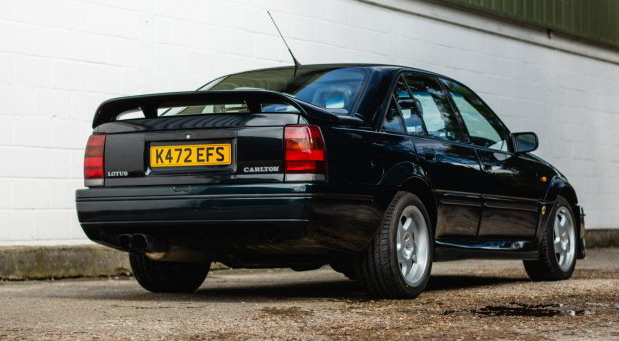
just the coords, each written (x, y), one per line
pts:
(594, 21)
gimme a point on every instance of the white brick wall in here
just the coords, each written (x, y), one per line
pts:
(60, 59)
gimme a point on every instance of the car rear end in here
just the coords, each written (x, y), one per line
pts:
(228, 174)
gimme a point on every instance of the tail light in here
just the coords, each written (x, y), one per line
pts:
(93, 160)
(305, 155)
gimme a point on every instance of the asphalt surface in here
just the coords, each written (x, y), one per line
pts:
(464, 300)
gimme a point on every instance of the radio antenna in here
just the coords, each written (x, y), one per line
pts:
(296, 62)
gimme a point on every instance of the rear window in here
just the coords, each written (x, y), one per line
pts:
(335, 89)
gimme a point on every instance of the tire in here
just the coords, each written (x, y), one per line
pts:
(557, 253)
(170, 277)
(403, 241)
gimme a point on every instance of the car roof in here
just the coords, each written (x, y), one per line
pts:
(375, 67)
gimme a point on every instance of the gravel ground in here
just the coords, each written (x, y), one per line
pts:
(464, 300)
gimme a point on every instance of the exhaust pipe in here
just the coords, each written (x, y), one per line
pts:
(124, 241)
(140, 242)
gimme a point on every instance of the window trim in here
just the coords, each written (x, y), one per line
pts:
(379, 123)
(393, 100)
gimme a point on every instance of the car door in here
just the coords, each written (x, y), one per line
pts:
(450, 163)
(511, 188)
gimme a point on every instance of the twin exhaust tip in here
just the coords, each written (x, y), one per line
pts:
(140, 242)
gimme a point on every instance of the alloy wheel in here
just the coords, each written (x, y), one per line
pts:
(564, 237)
(412, 245)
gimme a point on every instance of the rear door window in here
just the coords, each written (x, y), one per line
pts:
(409, 108)
(432, 105)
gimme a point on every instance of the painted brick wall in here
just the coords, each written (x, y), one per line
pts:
(59, 59)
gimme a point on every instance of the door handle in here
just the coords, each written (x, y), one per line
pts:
(486, 167)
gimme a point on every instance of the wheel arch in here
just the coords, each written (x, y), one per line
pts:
(569, 194)
(560, 187)
(421, 188)
(410, 177)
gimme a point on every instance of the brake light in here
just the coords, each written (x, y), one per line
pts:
(305, 155)
(94, 161)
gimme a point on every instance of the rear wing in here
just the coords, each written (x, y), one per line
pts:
(109, 110)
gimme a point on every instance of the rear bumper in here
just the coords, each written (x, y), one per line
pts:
(313, 215)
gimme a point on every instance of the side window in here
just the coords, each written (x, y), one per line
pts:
(410, 111)
(393, 120)
(483, 125)
(431, 103)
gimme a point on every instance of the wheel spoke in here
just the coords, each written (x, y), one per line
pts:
(407, 224)
(401, 258)
(562, 221)
(557, 245)
(409, 266)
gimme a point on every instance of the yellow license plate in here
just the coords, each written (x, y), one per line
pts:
(190, 155)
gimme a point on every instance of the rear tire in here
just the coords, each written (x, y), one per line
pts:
(557, 258)
(398, 262)
(171, 277)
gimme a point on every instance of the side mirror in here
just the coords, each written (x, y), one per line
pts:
(524, 142)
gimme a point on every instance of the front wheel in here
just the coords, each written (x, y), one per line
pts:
(173, 277)
(398, 262)
(557, 258)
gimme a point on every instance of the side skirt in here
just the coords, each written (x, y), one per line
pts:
(485, 249)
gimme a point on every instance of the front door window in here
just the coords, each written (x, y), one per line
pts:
(483, 126)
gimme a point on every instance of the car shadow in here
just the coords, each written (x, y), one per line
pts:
(342, 289)
(335, 289)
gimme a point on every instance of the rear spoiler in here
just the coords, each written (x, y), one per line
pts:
(148, 104)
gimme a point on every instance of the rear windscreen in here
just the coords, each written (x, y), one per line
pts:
(334, 89)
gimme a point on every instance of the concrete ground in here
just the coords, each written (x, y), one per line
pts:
(464, 300)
